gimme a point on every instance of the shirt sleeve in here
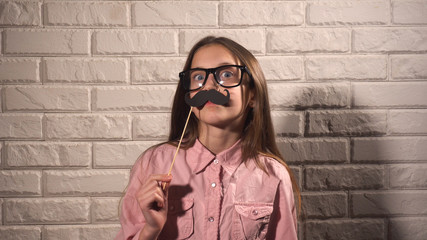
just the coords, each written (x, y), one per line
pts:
(283, 222)
(131, 217)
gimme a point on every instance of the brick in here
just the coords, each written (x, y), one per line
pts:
(408, 176)
(46, 210)
(288, 123)
(355, 229)
(80, 232)
(282, 67)
(131, 42)
(156, 69)
(252, 39)
(325, 205)
(390, 94)
(20, 126)
(340, 177)
(409, 12)
(308, 40)
(88, 126)
(151, 126)
(140, 98)
(105, 210)
(19, 70)
(390, 149)
(407, 122)
(388, 203)
(118, 154)
(46, 98)
(48, 154)
(18, 183)
(20, 232)
(315, 150)
(85, 182)
(304, 95)
(16, 13)
(346, 67)
(408, 228)
(86, 70)
(347, 122)
(175, 14)
(100, 14)
(261, 13)
(348, 13)
(389, 40)
(46, 42)
(409, 67)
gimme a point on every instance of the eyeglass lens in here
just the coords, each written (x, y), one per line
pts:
(226, 76)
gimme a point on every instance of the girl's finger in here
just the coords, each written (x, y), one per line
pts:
(166, 189)
(155, 181)
(156, 196)
(160, 177)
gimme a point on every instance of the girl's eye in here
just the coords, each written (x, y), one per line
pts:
(198, 77)
(226, 74)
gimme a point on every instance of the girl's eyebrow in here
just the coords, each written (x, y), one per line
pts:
(226, 63)
(221, 64)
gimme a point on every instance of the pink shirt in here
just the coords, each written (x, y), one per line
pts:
(214, 196)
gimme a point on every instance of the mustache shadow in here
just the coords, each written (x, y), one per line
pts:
(207, 95)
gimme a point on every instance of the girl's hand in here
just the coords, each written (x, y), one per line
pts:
(152, 200)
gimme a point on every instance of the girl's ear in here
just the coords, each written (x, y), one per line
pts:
(251, 99)
(251, 104)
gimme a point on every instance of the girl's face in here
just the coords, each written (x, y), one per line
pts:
(230, 116)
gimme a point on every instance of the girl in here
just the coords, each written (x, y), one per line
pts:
(229, 180)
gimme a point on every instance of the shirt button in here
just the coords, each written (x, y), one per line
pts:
(213, 185)
(255, 212)
(211, 219)
(216, 161)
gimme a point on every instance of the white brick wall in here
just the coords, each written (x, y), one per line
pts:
(86, 70)
(86, 87)
(90, 14)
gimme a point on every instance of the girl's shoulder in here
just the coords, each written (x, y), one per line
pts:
(274, 167)
(158, 148)
(154, 153)
(154, 159)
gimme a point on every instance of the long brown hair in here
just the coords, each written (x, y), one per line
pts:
(258, 135)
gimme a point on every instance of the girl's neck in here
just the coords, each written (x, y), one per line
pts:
(217, 139)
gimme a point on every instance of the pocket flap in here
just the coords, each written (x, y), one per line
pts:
(254, 210)
(177, 206)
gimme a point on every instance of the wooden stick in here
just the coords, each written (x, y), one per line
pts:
(179, 144)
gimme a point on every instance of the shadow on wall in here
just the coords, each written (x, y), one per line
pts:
(352, 171)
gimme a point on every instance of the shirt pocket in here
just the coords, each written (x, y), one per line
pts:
(250, 220)
(180, 221)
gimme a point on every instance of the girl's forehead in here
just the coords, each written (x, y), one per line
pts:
(213, 56)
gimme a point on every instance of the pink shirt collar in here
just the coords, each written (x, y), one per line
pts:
(201, 157)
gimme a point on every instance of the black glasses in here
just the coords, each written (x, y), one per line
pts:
(227, 76)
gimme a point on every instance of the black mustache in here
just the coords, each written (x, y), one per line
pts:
(203, 96)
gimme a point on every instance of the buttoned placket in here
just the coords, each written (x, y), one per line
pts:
(213, 196)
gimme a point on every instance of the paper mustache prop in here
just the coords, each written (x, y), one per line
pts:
(210, 95)
(198, 100)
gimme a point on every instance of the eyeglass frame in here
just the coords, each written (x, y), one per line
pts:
(208, 71)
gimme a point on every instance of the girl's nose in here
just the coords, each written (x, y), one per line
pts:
(210, 82)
